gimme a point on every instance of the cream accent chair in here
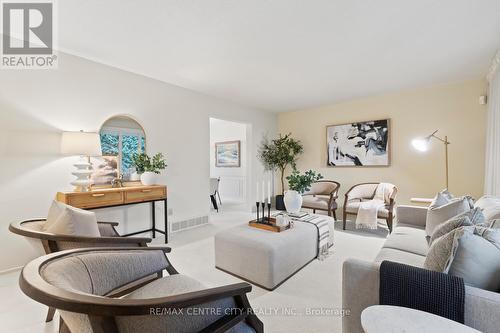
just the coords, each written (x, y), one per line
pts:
(322, 196)
(124, 290)
(365, 192)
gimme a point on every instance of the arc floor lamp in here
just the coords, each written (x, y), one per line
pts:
(422, 144)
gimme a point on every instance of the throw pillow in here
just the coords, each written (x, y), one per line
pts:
(472, 217)
(55, 210)
(75, 222)
(490, 206)
(438, 214)
(472, 253)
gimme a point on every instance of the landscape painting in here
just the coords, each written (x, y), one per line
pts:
(227, 154)
(359, 144)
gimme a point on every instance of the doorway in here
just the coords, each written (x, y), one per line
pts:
(229, 162)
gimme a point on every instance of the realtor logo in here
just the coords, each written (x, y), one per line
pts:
(28, 35)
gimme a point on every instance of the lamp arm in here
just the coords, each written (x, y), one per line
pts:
(445, 140)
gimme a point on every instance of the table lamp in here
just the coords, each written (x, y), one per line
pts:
(422, 144)
(85, 145)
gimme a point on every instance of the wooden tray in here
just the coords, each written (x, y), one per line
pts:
(269, 227)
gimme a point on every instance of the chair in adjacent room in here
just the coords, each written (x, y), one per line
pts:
(322, 196)
(125, 290)
(366, 192)
(214, 192)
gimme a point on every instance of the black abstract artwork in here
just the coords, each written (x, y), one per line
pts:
(358, 144)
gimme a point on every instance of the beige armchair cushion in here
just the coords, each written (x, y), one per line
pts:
(55, 210)
(321, 188)
(352, 207)
(363, 191)
(75, 222)
(182, 323)
(317, 202)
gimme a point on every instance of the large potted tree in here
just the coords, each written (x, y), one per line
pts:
(279, 154)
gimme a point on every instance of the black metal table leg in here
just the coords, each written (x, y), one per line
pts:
(153, 216)
(166, 220)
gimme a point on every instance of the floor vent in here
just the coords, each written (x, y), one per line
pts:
(188, 224)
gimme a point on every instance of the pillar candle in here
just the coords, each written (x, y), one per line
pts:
(269, 192)
(263, 192)
(257, 193)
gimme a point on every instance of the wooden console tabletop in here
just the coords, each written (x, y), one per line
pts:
(120, 196)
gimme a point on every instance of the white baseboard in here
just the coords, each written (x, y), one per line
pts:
(10, 270)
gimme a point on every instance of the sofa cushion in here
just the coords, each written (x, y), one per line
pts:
(472, 217)
(490, 206)
(75, 222)
(400, 256)
(408, 239)
(438, 214)
(192, 319)
(476, 258)
(472, 253)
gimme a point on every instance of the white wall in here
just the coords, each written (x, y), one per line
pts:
(233, 182)
(37, 105)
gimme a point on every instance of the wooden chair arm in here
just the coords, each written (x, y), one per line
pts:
(17, 228)
(33, 285)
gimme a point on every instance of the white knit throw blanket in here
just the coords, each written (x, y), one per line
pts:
(325, 235)
(368, 210)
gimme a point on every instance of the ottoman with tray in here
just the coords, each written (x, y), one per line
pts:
(266, 258)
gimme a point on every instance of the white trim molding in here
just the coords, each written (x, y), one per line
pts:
(495, 63)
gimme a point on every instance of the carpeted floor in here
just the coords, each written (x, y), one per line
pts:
(304, 303)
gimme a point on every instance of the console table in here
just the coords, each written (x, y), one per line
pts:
(121, 196)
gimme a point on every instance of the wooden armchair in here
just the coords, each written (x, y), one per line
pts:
(365, 192)
(322, 196)
(92, 294)
(32, 229)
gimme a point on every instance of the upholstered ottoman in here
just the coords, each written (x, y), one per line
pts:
(266, 258)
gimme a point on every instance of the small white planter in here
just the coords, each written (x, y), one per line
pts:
(293, 201)
(135, 177)
(149, 178)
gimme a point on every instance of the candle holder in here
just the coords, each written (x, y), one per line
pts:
(257, 204)
(269, 212)
(263, 212)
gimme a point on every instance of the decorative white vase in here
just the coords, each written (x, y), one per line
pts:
(135, 176)
(148, 178)
(293, 201)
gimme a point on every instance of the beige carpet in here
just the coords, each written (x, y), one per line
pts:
(301, 304)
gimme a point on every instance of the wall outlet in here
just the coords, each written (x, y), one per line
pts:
(170, 211)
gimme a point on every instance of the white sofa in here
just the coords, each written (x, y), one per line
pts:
(407, 244)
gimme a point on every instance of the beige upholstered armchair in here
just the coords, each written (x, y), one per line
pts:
(322, 196)
(365, 192)
(32, 230)
(125, 290)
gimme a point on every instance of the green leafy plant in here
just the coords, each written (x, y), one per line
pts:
(142, 163)
(302, 183)
(280, 153)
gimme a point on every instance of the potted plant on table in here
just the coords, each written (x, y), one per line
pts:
(298, 184)
(149, 167)
(278, 154)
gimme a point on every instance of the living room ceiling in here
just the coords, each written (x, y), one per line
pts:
(283, 55)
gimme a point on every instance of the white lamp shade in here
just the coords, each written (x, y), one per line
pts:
(421, 144)
(81, 143)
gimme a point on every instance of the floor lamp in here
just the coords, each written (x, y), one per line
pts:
(422, 144)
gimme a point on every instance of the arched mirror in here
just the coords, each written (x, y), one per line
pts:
(121, 138)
